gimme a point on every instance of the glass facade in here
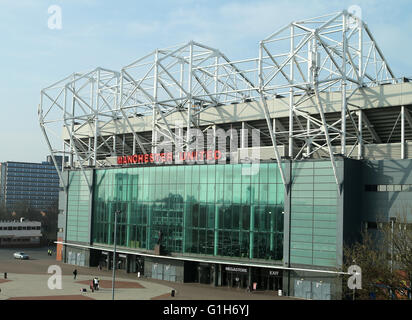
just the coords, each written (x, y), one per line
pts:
(78, 205)
(34, 183)
(197, 209)
(314, 211)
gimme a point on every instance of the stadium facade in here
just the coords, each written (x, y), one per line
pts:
(249, 173)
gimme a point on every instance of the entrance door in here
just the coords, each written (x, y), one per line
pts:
(274, 283)
(204, 273)
(243, 281)
(320, 291)
(169, 273)
(71, 258)
(303, 289)
(81, 259)
(157, 271)
(277, 283)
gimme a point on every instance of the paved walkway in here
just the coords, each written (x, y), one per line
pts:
(27, 279)
(33, 287)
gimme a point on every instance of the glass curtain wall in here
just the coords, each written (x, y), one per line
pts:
(314, 214)
(196, 209)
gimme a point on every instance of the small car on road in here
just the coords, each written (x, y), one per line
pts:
(21, 255)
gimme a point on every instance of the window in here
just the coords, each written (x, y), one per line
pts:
(371, 225)
(371, 188)
(407, 188)
(397, 187)
(382, 188)
(389, 188)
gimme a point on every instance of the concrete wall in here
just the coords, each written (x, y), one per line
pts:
(383, 205)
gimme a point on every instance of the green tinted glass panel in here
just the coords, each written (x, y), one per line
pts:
(200, 209)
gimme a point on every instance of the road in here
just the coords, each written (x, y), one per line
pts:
(35, 253)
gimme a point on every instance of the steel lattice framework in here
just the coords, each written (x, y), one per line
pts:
(330, 54)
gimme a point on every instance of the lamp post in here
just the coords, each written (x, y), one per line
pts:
(116, 213)
(393, 220)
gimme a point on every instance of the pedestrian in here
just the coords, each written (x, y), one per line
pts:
(94, 283)
(75, 273)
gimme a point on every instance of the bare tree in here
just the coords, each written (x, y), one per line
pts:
(397, 238)
(377, 278)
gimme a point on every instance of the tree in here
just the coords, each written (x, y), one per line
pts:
(377, 277)
(3, 215)
(48, 217)
(397, 238)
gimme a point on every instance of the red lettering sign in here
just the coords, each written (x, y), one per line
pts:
(168, 157)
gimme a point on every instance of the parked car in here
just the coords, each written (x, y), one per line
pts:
(21, 255)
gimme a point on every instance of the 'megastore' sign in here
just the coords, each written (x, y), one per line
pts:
(169, 157)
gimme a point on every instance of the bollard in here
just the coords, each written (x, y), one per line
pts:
(279, 293)
(172, 293)
(5, 275)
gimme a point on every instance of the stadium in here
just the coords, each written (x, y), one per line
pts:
(234, 173)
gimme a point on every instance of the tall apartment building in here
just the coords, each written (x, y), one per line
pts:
(34, 183)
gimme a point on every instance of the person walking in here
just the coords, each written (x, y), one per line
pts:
(96, 283)
(75, 273)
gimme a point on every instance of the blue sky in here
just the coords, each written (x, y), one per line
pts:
(113, 34)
